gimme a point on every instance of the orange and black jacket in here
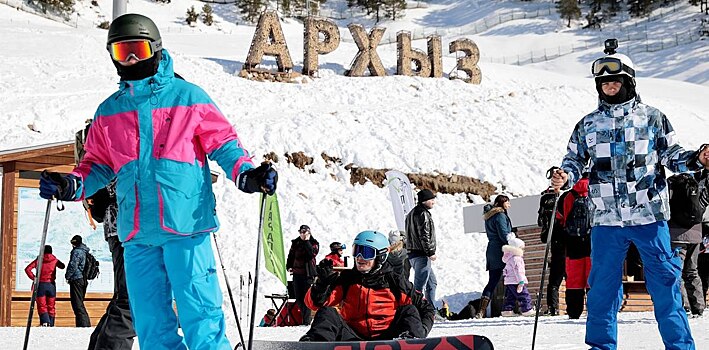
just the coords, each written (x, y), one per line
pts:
(368, 302)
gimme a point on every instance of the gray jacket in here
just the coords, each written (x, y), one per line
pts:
(77, 261)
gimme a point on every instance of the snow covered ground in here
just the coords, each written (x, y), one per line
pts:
(507, 131)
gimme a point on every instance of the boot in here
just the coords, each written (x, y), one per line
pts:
(484, 301)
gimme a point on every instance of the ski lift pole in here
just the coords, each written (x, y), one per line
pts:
(38, 271)
(256, 272)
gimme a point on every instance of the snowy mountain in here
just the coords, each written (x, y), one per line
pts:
(508, 130)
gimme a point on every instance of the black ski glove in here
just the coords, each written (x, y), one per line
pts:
(261, 179)
(54, 185)
(326, 272)
(321, 289)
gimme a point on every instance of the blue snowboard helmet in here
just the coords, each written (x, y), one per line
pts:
(371, 245)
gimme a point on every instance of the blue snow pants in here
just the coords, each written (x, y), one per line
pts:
(183, 267)
(609, 245)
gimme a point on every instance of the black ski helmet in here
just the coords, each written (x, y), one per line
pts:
(134, 26)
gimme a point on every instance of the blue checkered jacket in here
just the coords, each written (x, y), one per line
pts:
(625, 146)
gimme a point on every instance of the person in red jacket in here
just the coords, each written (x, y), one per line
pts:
(374, 303)
(335, 255)
(578, 252)
(47, 289)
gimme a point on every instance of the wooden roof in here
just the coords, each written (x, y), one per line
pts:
(64, 147)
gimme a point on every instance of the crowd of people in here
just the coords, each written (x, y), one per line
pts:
(615, 193)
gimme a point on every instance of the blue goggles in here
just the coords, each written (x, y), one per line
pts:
(363, 251)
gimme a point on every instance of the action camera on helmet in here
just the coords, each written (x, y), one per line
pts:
(610, 46)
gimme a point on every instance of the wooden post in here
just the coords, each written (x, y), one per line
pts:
(6, 243)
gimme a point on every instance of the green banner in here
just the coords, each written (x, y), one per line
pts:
(273, 239)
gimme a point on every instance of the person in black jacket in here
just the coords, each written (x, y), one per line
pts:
(115, 329)
(374, 303)
(77, 282)
(301, 264)
(687, 241)
(421, 244)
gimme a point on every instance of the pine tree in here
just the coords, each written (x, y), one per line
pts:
(285, 7)
(569, 9)
(192, 15)
(250, 9)
(207, 15)
(63, 7)
(395, 8)
(640, 8)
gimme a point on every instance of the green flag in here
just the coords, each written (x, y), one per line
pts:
(273, 239)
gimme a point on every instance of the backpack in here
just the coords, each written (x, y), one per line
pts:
(544, 214)
(578, 220)
(686, 203)
(90, 267)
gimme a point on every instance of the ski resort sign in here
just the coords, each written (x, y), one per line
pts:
(269, 40)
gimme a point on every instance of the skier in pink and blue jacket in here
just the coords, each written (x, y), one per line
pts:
(155, 135)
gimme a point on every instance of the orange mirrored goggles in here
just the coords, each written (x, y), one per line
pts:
(141, 49)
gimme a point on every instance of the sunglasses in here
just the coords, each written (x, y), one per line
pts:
(304, 231)
(363, 251)
(140, 49)
(610, 65)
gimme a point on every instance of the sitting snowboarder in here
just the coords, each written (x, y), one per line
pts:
(373, 303)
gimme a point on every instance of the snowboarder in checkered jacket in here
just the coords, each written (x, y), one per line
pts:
(625, 143)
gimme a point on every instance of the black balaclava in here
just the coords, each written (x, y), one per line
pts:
(140, 70)
(625, 93)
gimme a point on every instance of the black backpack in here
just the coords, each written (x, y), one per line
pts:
(687, 200)
(544, 214)
(578, 221)
(91, 270)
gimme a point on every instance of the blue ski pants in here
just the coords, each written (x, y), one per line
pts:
(183, 267)
(609, 245)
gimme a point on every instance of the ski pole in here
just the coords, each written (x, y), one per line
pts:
(248, 297)
(258, 256)
(546, 259)
(35, 284)
(231, 296)
(241, 295)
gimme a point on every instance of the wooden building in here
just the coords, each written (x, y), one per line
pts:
(21, 169)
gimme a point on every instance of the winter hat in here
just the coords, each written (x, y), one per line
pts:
(516, 242)
(76, 240)
(425, 195)
(304, 227)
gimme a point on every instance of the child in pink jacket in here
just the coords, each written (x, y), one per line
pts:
(515, 279)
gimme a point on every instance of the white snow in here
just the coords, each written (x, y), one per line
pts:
(507, 130)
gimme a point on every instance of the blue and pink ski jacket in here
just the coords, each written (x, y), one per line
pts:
(155, 136)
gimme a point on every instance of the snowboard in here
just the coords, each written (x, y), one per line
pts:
(458, 342)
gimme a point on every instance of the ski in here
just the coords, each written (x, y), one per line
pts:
(458, 342)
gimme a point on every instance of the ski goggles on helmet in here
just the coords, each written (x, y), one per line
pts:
(610, 65)
(140, 49)
(366, 252)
